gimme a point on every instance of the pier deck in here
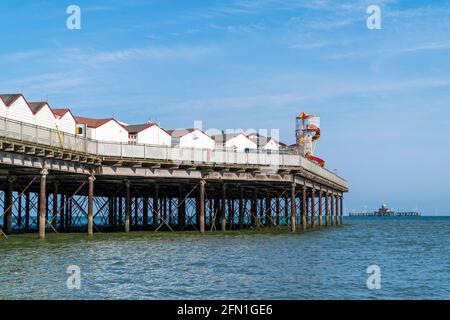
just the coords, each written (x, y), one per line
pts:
(58, 182)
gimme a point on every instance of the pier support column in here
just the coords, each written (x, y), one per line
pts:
(277, 209)
(42, 203)
(127, 205)
(27, 210)
(62, 212)
(320, 207)
(55, 205)
(241, 208)
(313, 207)
(7, 205)
(293, 208)
(90, 227)
(304, 208)
(254, 210)
(202, 206)
(332, 208)
(327, 209)
(336, 204)
(223, 207)
(181, 209)
(342, 208)
(268, 209)
(156, 207)
(286, 210)
(145, 211)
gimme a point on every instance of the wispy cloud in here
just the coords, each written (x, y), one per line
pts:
(179, 52)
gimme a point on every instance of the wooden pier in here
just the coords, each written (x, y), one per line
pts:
(88, 186)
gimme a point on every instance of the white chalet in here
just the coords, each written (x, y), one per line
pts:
(15, 107)
(266, 143)
(235, 141)
(192, 138)
(65, 120)
(43, 115)
(108, 129)
(148, 133)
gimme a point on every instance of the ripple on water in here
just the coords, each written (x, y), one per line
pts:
(326, 264)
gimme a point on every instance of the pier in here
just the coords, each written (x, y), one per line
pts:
(53, 181)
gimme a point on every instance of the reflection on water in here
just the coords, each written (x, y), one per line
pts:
(413, 254)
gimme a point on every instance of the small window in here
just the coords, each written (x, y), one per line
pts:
(79, 130)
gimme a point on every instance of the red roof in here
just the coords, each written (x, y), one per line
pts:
(95, 123)
(60, 112)
(36, 106)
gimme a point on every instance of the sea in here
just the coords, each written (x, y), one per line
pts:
(366, 258)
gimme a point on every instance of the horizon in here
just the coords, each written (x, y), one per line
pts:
(383, 95)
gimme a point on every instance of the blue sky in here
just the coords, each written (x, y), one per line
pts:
(383, 95)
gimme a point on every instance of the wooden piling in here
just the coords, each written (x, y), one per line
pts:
(304, 208)
(223, 207)
(8, 205)
(90, 226)
(241, 207)
(320, 207)
(313, 207)
(156, 207)
(342, 208)
(293, 207)
(202, 206)
(55, 205)
(42, 204)
(27, 211)
(127, 206)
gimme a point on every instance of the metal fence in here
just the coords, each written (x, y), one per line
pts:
(62, 140)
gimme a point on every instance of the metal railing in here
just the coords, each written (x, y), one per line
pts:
(49, 137)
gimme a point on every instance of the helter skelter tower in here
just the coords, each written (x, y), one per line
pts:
(307, 132)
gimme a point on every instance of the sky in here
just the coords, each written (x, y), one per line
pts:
(383, 95)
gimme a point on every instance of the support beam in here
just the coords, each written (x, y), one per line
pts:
(27, 210)
(8, 205)
(90, 227)
(304, 208)
(223, 207)
(337, 208)
(145, 211)
(181, 209)
(127, 205)
(313, 207)
(342, 208)
(62, 213)
(241, 207)
(268, 209)
(202, 206)
(55, 205)
(293, 208)
(156, 207)
(42, 204)
(332, 208)
(320, 207)
(327, 209)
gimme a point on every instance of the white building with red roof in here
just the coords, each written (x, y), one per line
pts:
(148, 133)
(234, 141)
(65, 121)
(43, 115)
(15, 107)
(108, 129)
(192, 138)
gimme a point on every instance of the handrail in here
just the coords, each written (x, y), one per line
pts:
(46, 136)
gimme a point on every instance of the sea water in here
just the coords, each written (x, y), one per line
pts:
(413, 256)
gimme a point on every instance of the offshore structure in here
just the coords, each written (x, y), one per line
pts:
(54, 181)
(385, 211)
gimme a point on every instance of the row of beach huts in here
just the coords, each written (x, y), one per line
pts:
(16, 107)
